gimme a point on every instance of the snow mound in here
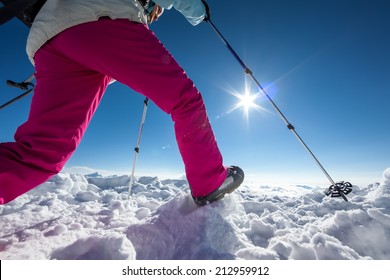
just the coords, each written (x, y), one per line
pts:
(92, 217)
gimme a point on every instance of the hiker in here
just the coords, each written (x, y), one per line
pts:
(78, 47)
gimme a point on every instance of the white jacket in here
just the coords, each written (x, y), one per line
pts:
(58, 15)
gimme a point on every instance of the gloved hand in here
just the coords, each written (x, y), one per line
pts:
(155, 13)
(206, 6)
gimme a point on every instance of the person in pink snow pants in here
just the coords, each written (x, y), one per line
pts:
(75, 59)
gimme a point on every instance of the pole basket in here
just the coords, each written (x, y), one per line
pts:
(339, 189)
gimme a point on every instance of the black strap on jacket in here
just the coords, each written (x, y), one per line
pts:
(25, 10)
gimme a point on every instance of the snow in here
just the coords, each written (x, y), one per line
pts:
(91, 217)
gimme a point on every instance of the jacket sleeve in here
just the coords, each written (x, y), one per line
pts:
(193, 10)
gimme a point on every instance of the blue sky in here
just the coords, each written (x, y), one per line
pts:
(325, 64)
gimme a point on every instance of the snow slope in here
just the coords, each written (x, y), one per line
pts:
(90, 217)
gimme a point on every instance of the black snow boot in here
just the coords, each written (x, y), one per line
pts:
(233, 180)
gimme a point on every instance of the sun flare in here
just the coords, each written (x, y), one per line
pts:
(246, 101)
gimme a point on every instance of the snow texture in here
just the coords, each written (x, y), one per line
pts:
(91, 217)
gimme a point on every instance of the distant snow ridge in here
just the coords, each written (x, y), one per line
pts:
(90, 217)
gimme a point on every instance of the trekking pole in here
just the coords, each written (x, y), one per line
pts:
(136, 149)
(336, 189)
(26, 85)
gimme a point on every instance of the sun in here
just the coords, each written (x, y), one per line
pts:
(246, 101)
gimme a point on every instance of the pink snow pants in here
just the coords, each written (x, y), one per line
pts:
(73, 71)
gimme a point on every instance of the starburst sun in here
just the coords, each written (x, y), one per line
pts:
(246, 101)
